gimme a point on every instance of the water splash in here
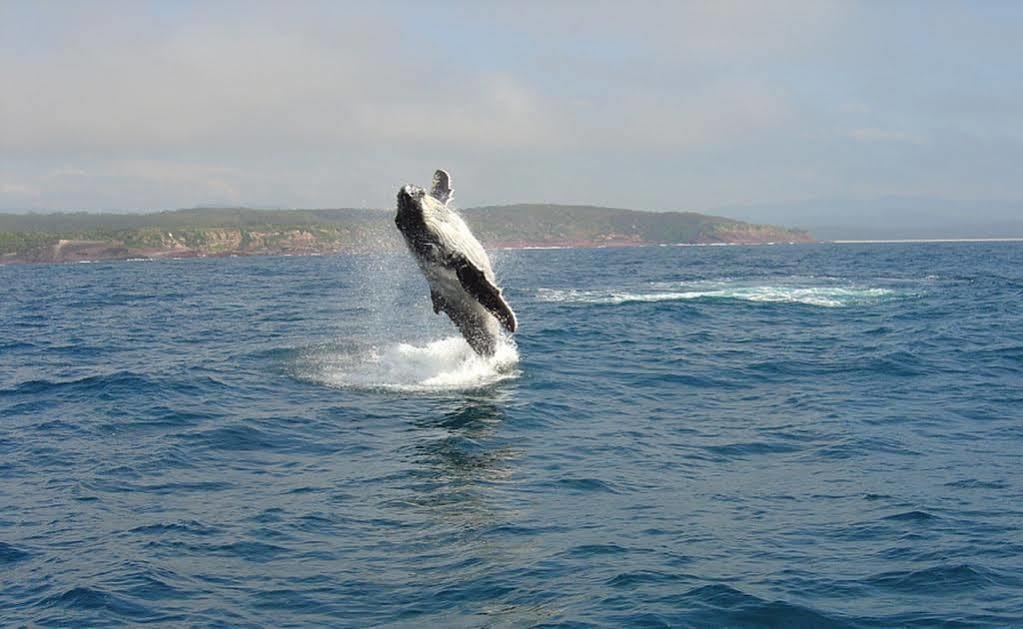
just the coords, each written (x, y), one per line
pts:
(444, 365)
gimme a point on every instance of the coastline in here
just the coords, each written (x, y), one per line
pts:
(94, 252)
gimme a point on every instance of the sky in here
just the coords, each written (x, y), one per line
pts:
(649, 105)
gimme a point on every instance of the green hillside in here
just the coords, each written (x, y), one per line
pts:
(581, 223)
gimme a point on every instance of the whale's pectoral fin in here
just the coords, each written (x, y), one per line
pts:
(438, 302)
(441, 189)
(483, 290)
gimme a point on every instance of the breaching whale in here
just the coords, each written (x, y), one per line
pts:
(456, 266)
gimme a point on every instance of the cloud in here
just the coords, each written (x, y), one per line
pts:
(251, 87)
(271, 82)
(332, 104)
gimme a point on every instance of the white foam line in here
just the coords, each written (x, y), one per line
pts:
(827, 297)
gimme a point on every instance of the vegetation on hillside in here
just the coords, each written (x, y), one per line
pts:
(579, 223)
(242, 231)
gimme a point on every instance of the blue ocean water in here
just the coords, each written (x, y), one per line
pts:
(813, 435)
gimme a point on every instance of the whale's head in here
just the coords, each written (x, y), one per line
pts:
(410, 200)
(413, 197)
(414, 201)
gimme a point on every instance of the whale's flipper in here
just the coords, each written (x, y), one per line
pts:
(483, 290)
(441, 186)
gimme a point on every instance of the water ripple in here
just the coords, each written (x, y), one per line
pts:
(768, 436)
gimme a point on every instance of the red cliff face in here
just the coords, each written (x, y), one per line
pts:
(59, 238)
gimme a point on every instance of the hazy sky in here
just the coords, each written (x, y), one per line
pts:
(673, 105)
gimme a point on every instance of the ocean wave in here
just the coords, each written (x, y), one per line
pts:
(109, 383)
(722, 605)
(10, 554)
(84, 598)
(942, 578)
(445, 365)
(824, 296)
(915, 515)
(191, 527)
(973, 483)
(160, 458)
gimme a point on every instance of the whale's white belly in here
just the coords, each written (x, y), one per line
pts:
(444, 281)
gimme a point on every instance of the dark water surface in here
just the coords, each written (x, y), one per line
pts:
(821, 435)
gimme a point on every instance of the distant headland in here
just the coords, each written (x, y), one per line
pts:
(203, 232)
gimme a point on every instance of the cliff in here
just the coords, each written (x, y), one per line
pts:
(242, 231)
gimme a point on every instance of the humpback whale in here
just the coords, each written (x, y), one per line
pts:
(462, 284)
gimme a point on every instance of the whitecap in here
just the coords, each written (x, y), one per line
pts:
(822, 296)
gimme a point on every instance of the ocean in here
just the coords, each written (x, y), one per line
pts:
(776, 436)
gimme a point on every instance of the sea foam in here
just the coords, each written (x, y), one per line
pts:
(443, 365)
(827, 296)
